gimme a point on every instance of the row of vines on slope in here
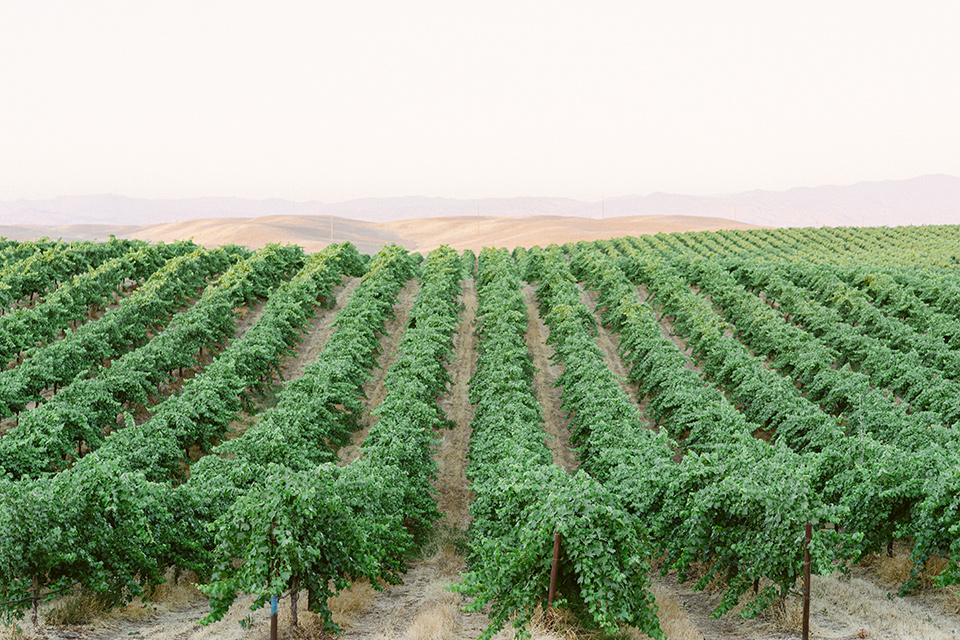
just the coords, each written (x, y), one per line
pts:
(43, 270)
(112, 523)
(906, 461)
(14, 250)
(77, 419)
(93, 499)
(72, 300)
(730, 502)
(892, 480)
(522, 497)
(299, 521)
(120, 330)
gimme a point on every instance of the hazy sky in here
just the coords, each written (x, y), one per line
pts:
(337, 100)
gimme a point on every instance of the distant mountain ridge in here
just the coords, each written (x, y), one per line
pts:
(929, 199)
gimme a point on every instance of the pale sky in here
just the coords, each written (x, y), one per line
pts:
(338, 100)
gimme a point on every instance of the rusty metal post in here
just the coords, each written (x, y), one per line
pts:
(274, 605)
(274, 599)
(806, 581)
(554, 569)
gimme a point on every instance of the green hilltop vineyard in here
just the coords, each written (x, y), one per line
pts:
(786, 376)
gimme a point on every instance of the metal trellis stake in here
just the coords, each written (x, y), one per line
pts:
(274, 605)
(806, 581)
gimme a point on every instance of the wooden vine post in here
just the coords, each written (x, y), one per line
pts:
(294, 596)
(36, 597)
(554, 569)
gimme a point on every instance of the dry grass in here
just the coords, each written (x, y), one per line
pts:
(179, 593)
(445, 550)
(350, 603)
(86, 607)
(786, 617)
(437, 620)
(12, 632)
(841, 608)
(862, 605)
(674, 620)
(557, 624)
(345, 607)
(438, 616)
(896, 570)
(79, 608)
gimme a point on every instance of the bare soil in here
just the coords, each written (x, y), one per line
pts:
(453, 494)
(374, 390)
(609, 344)
(319, 330)
(555, 422)
(423, 606)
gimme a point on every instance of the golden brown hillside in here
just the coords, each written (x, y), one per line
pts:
(424, 234)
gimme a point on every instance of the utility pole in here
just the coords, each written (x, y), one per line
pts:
(603, 206)
(331, 227)
(478, 221)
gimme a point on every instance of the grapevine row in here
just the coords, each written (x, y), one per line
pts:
(103, 523)
(299, 521)
(902, 372)
(854, 307)
(522, 497)
(76, 419)
(121, 329)
(899, 301)
(72, 300)
(901, 476)
(732, 502)
(45, 269)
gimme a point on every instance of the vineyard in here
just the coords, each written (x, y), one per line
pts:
(274, 424)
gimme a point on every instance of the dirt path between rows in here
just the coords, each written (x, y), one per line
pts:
(318, 332)
(609, 344)
(164, 624)
(423, 606)
(321, 328)
(453, 494)
(374, 389)
(666, 327)
(840, 609)
(555, 421)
